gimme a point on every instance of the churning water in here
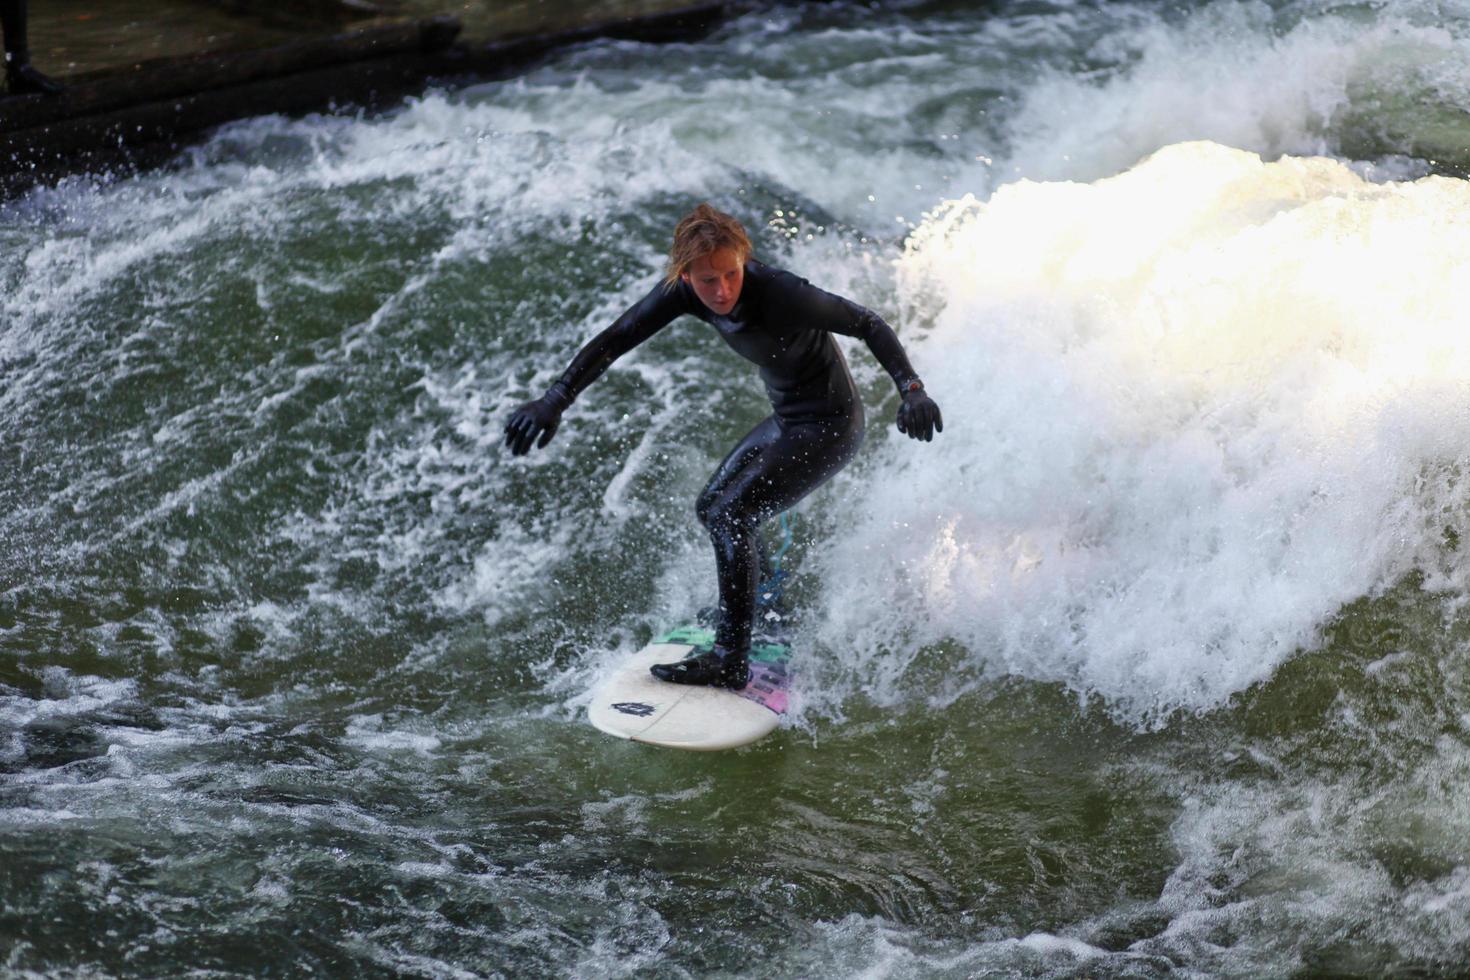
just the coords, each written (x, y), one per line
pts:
(1154, 662)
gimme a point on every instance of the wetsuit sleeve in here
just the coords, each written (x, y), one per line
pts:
(639, 322)
(827, 311)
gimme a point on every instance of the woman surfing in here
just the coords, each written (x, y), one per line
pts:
(783, 325)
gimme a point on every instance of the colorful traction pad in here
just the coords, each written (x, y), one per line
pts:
(770, 673)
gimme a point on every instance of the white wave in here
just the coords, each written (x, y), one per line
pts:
(66, 695)
(1233, 73)
(1306, 854)
(1192, 411)
(368, 732)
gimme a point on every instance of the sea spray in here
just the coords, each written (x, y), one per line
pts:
(1191, 411)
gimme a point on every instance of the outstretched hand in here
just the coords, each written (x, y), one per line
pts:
(918, 416)
(534, 422)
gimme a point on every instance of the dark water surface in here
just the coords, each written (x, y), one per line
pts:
(1154, 663)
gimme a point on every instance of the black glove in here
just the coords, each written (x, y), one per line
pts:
(918, 416)
(539, 418)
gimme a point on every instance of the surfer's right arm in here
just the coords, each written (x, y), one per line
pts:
(535, 422)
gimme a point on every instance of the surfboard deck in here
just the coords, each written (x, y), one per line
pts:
(635, 705)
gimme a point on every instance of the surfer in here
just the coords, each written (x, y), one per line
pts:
(784, 325)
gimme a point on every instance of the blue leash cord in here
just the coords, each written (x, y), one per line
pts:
(769, 593)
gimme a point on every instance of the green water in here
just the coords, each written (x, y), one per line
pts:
(1152, 664)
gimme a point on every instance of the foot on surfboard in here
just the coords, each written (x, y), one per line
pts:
(709, 668)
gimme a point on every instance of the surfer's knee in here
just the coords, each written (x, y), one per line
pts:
(727, 518)
(718, 511)
(704, 505)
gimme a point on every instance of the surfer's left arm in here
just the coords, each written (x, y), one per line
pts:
(918, 415)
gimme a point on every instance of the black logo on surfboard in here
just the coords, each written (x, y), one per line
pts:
(637, 708)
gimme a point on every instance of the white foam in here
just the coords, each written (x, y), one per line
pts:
(67, 695)
(873, 947)
(1192, 411)
(368, 732)
(1049, 945)
(272, 890)
(29, 817)
(632, 810)
(1246, 75)
(1307, 852)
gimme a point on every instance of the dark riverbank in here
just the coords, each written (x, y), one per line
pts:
(78, 37)
(145, 80)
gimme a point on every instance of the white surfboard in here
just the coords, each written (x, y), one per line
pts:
(635, 705)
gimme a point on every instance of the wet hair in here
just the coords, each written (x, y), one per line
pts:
(703, 231)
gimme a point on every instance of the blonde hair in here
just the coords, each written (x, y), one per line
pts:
(703, 231)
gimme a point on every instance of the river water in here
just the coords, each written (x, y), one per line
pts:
(1153, 663)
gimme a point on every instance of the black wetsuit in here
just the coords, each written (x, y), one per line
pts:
(783, 325)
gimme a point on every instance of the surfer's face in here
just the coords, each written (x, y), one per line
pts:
(717, 278)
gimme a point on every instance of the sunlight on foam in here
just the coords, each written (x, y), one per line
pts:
(1193, 409)
(1251, 75)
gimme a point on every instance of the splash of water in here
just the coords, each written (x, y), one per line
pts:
(1193, 410)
